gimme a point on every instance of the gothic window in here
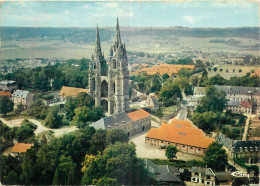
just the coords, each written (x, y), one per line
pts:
(104, 104)
(114, 87)
(104, 89)
(114, 64)
(104, 68)
(94, 66)
(94, 84)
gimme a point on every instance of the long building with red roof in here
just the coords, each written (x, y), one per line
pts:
(181, 134)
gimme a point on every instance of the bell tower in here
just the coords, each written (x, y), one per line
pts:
(109, 81)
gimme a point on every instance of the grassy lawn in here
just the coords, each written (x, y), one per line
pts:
(169, 112)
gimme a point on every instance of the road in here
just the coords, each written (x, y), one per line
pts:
(247, 126)
(40, 127)
(183, 111)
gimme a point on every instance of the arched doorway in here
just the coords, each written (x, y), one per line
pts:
(104, 104)
(104, 89)
(143, 128)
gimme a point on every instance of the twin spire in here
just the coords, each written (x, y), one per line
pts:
(98, 52)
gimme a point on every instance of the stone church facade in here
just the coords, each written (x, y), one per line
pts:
(109, 80)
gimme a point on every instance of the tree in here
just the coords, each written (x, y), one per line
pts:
(221, 70)
(215, 69)
(209, 69)
(123, 165)
(66, 172)
(199, 64)
(216, 157)
(227, 71)
(53, 119)
(116, 135)
(6, 105)
(188, 90)
(25, 131)
(183, 72)
(194, 81)
(70, 105)
(85, 114)
(165, 77)
(155, 85)
(214, 100)
(234, 70)
(240, 70)
(171, 152)
(170, 93)
(205, 121)
(10, 168)
(37, 109)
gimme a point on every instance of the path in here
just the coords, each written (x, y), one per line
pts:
(246, 128)
(40, 127)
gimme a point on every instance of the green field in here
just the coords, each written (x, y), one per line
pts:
(230, 73)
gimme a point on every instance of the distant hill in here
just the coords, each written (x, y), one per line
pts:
(87, 35)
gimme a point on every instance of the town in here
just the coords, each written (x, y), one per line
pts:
(125, 117)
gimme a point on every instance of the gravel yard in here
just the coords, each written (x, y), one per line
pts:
(40, 127)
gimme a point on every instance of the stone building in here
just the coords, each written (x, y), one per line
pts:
(22, 97)
(179, 133)
(70, 92)
(8, 85)
(241, 99)
(207, 176)
(131, 123)
(109, 80)
(247, 150)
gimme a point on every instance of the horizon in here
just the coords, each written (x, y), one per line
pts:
(152, 14)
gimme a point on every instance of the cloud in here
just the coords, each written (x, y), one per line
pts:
(189, 19)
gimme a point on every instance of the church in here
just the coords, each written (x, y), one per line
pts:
(109, 79)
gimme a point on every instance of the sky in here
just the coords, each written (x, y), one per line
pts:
(132, 13)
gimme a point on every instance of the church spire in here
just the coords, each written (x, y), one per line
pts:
(98, 52)
(118, 39)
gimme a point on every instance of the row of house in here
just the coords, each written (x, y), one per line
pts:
(169, 175)
(132, 123)
(181, 134)
(241, 99)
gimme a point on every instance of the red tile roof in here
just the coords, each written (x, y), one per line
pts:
(245, 103)
(139, 114)
(5, 93)
(21, 147)
(181, 135)
(181, 122)
(71, 91)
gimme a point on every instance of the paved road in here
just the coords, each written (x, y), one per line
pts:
(183, 111)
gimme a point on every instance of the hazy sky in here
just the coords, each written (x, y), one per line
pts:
(141, 14)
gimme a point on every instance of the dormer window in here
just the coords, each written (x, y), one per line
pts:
(256, 149)
(246, 149)
(251, 149)
(241, 149)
